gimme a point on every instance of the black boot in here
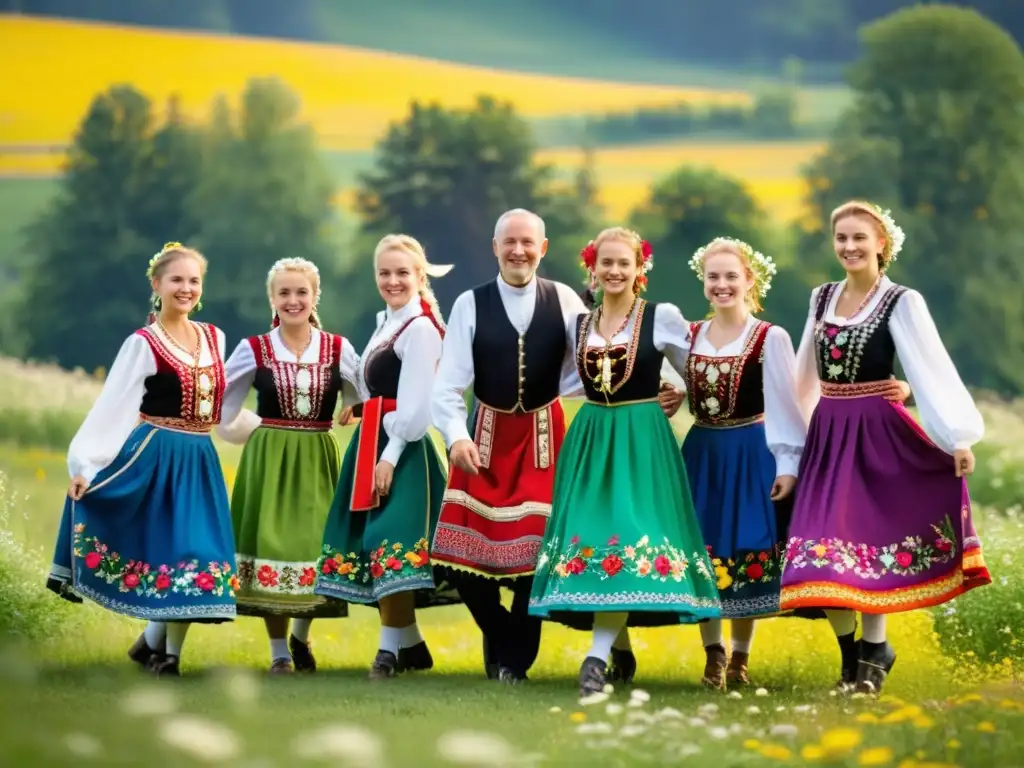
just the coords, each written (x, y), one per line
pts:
(849, 650)
(385, 665)
(63, 589)
(302, 654)
(876, 662)
(592, 676)
(416, 657)
(143, 655)
(165, 666)
(623, 666)
(490, 662)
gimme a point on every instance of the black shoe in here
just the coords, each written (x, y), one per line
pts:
(623, 666)
(168, 666)
(143, 655)
(491, 666)
(509, 676)
(876, 662)
(415, 658)
(62, 589)
(302, 654)
(849, 649)
(592, 676)
(385, 665)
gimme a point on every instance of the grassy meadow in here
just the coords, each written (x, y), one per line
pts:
(70, 693)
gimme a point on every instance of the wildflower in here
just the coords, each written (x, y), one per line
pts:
(578, 717)
(986, 726)
(751, 744)
(784, 730)
(351, 743)
(840, 740)
(775, 752)
(735, 695)
(761, 692)
(555, 710)
(594, 698)
(813, 752)
(867, 717)
(753, 710)
(474, 748)
(201, 739)
(875, 756)
(613, 709)
(640, 695)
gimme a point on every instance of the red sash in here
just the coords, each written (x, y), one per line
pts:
(364, 487)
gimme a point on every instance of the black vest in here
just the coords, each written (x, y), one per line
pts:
(511, 373)
(636, 370)
(863, 352)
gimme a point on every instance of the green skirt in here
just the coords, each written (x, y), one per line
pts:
(282, 492)
(623, 534)
(367, 555)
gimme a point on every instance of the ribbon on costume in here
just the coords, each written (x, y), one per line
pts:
(364, 486)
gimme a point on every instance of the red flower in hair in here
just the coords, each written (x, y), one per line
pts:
(588, 256)
(646, 250)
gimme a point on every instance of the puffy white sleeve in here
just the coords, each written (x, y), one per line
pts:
(808, 385)
(784, 424)
(570, 384)
(948, 412)
(455, 372)
(353, 390)
(115, 413)
(236, 422)
(672, 337)
(419, 349)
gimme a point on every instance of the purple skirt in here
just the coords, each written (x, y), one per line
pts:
(881, 524)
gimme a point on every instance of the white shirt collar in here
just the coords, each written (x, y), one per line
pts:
(410, 310)
(517, 290)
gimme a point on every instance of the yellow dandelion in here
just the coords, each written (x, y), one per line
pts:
(923, 721)
(867, 717)
(751, 744)
(775, 752)
(903, 714)
(875, 756)
(986, 726)
(970, 698)
(578, 717)
(953, 744)
(812, 752)
(839, 740)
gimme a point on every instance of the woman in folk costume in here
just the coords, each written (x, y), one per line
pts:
(376, 542)
(623, 542)
(882, 523)
(146, 530)
(291, 461)
(743, 450)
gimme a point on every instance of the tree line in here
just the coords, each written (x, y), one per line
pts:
(748, 33)
(934, 133)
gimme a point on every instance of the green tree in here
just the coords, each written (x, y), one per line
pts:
(687, 209)
(936, 134)
(265, 194)
(445, 175)
(121, 198)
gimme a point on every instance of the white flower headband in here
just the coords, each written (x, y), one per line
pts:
(895, 234)
(762, 266)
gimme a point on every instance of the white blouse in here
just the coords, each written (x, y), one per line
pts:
(948, 413)
(784, 425)
(455, 374)
(419, 349)
(237, 423)
(671, 338)
(115, 413)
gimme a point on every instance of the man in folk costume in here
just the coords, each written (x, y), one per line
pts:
(507, 340)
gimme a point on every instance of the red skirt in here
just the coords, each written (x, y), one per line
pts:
(492, 523)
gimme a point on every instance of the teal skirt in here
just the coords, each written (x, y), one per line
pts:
(367, 555)
(623, 534)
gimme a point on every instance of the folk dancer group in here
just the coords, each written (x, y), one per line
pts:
(803, 488)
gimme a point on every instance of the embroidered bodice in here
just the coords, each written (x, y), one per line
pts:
(619, 372)
(179, 390)
(297, 391)
(730, 387)
(858, 352)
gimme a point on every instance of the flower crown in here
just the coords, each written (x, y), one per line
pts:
(588, 257)
(762, 266)
(895, 233)
(156, 258)
(283, 265)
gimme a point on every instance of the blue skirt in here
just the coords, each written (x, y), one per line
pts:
(731, 474)
(151, 538)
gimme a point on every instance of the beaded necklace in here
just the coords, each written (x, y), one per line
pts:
(603, 380)
(199, 342)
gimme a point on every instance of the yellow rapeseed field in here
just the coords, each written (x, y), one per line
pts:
(771, 170)
(348, 94)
